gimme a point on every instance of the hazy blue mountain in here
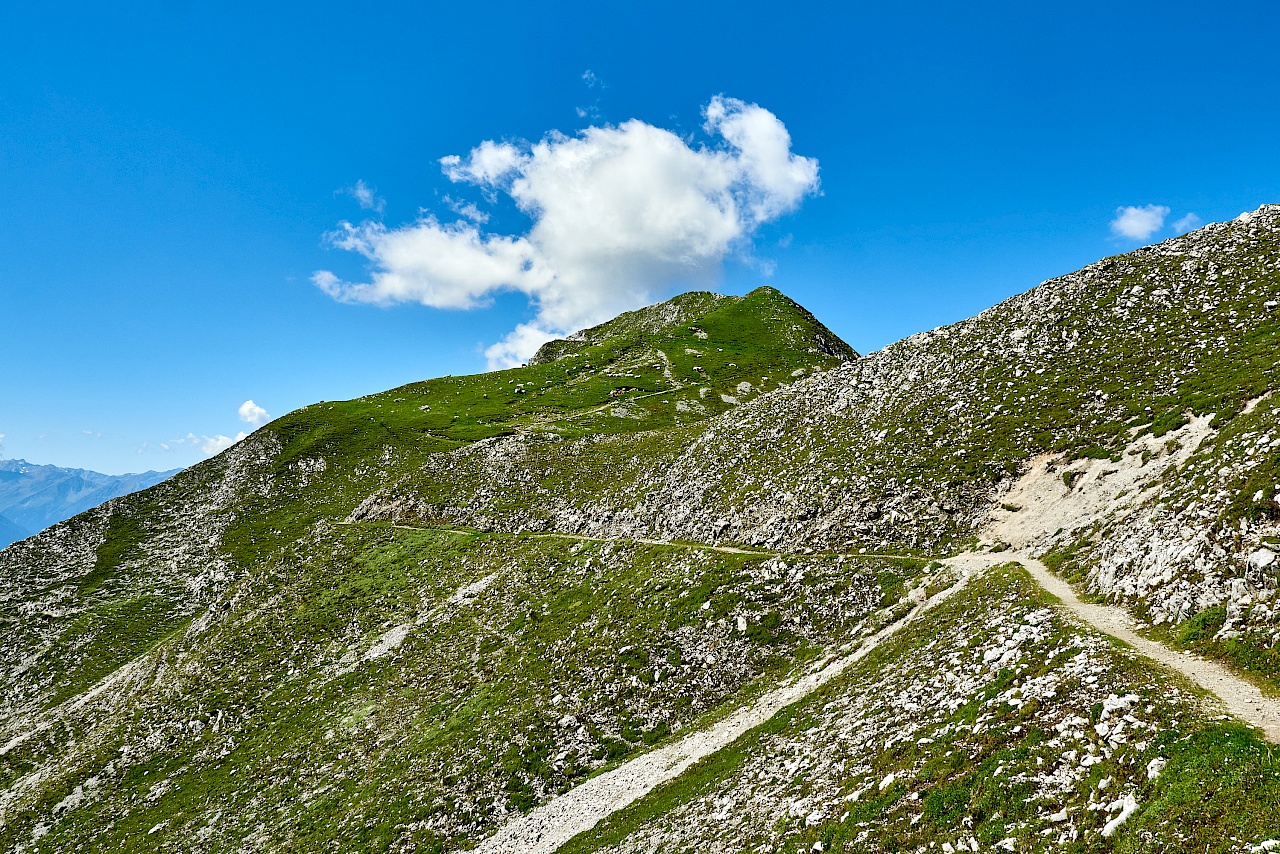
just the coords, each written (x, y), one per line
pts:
(33, 497)
(11, 532)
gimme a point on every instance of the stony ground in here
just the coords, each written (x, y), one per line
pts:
(1035, 733)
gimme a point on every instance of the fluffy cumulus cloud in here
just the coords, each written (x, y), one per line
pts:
(619, 215)
(1138, 223)
(252, 413)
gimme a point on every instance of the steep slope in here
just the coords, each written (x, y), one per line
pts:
(33, 497)
(226, 597)
(911, 448)
(1025, 733)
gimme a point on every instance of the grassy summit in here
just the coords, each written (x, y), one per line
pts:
(162, 594)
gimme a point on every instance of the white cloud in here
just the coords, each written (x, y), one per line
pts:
(211, 445)
(1190, 222)
(592, 81)
(252, 413)
(1, 443)
(1134, 223)
(467, 210)
(620, 214)
(366, 197)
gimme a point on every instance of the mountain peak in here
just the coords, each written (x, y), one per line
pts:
(765, 314)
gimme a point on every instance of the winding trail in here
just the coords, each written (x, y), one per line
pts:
(1241, 698)
(545, 829)
(551, 825)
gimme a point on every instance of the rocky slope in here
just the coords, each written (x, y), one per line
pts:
(396, 623)
(911, 448)
(1029, 733)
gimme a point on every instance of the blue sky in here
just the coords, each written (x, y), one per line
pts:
(174, 177)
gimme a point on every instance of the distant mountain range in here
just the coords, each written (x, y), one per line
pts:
(33, 497)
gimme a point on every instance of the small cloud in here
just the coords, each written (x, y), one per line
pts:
(467, 210)
(365, 197)
(591, 111)
(211, 445)
(1, 443)
(252, 413)
(1134, 223)
(1190, 222)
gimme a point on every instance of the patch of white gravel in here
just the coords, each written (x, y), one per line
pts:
(390, 641)
(1046, 505)
(1105, 489)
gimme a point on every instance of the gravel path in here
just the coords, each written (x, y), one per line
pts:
(546, 828)
(1242, 699)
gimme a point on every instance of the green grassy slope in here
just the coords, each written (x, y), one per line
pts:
(177, 609)
(406, 690)
(139, 567)
(911, 447)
